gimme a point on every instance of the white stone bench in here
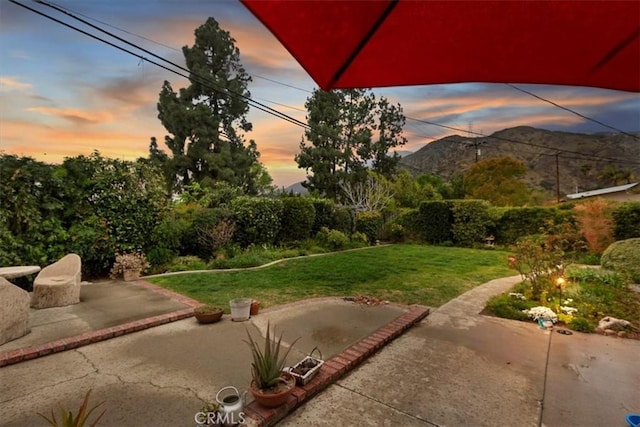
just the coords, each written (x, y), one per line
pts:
(14, 311)
(58, 284)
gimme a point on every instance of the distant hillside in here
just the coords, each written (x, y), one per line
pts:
(296, 188)
(454, 154)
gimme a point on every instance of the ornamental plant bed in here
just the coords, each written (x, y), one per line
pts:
(307, 368)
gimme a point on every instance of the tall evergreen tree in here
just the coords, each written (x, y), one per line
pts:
(206, 119)
(350, 132)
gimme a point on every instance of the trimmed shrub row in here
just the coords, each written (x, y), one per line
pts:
(627, 221)
(467, 222)
(461, 222)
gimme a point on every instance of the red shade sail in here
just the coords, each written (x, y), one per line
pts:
(345, 44)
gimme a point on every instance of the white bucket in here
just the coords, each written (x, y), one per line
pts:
(240, 309)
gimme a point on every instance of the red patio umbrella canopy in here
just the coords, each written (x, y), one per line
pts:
(344, 44)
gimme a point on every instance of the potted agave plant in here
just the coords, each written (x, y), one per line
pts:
(68, 419)
(270, 385)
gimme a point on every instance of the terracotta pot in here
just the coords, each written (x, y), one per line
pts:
(130, 275)
(273, 400)
(209, 317)
(255, 308)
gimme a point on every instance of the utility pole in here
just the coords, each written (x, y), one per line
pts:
(557, 178)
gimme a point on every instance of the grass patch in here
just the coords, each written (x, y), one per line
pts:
(409, 274)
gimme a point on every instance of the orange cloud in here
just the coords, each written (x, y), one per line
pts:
(75, 116)
(11, 83)
(53, 143)
(463, 103)
(134, 92)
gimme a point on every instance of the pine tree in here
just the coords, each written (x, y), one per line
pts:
(350, 133)
(206, 120)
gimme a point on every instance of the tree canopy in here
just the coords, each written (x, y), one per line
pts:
(498, 180)
(350, 132)
(206, 120)
(89, 205)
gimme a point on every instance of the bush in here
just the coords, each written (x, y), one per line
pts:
(187, 263)
(408, 219)
(470, 221)
(210, 230)
(627, 220)
(581, 324)
(515, 223)
(509, 307)
(173, 232)
(624, 257)
(343, 219)
(370, 224)
(595, 275)
(257, 220)
(434, 221)
(90, 239)
(596, 224)
(359, 240)
(160, 256)
(395, 232)
(332, 239)
(324, 214)
(214, 238)
(297, 219)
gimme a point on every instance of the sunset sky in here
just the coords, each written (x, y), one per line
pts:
(63, 93)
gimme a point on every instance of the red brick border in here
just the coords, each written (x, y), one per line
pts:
(337, 367)
(19, 355)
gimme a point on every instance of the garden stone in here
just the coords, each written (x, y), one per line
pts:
(610, 332)
(612, 323)
(622, 334)
(14, 311)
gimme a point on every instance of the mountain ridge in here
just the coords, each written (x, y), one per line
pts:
(582, 159)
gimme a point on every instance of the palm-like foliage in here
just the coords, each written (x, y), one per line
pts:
(267, 365)
(68, 419)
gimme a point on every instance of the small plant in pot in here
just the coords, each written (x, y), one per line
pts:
(129, 266)
(270, 385)
(307, 368)
(208, 313)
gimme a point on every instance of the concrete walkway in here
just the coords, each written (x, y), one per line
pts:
(459, 368)
(162, 376)
(455, 368)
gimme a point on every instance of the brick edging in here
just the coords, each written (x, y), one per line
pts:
(11, 357)
(337, 367)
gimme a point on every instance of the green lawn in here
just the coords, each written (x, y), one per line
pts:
(410, 274)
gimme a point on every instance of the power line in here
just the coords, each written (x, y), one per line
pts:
(555, 104)
(206, 82)
(515, 141)
(166, 45)
(67, 10)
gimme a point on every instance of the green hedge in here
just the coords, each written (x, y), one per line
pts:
(627, 220)
(257, 220)
(324, 214)
(370, 224)
(519, 222)
(434, 221)
(343, 219)
(470, 221)
(297, 219)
